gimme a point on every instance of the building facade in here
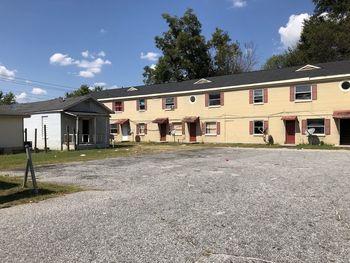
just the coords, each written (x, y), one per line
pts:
(289, 106)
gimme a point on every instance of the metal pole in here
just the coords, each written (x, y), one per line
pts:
(74, 140)
(36, 140)
(30, 167)
(67, 130)
(45, 138)
(25, 135)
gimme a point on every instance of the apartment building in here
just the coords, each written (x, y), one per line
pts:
(291, 106)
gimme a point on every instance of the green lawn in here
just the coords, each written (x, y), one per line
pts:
(12, 193)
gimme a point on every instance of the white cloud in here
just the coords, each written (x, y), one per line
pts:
(6, 73)
(113, 87)
(238, 3)
(290, 34)
(39, 91)
(153, 66)
(61, 59)
(151, 56)
(85, 54)
(100, 84)
(21, 98)
(89, 64)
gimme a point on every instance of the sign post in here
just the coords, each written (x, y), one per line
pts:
(30, 167)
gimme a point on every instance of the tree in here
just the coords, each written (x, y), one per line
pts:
(7, 99)
(324, 38)
(83, 90)
(187, 55)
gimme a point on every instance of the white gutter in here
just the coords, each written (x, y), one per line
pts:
(290, 81)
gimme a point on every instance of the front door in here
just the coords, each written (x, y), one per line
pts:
(193, 132)
(162, 130)
(345, 131)
(290, 132)
(125, 132)
(86, 131)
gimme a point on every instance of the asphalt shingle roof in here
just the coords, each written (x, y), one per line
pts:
(255, 77)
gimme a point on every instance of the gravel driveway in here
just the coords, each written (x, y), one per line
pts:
(213, 205)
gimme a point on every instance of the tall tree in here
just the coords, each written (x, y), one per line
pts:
(83, 90)
(7, 99)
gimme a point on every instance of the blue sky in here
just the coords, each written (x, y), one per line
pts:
(70, 43)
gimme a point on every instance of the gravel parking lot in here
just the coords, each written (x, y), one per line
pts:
(213, 205)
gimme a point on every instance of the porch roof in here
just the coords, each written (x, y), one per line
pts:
(161, 120)
(341, 114)
(121, 121)
(289, 118)
(79, 113)
(190, 119)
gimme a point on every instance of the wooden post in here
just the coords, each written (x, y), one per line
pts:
(74, 140)
(36, 140)
(67, 131)
(30, 167)
(45, 138)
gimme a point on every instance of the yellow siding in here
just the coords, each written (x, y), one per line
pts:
(235, 115)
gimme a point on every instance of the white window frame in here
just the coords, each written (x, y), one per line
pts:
(296, 92)
(262, 96)
(308, 126)
(178, 131)
(114, 129)
(263, 128)
(169, 106)
(142, 128)
(209, 100)
(215, 129)
(144, 104)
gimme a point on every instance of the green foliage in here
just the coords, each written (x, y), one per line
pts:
(187, 55)
(325, 37)
(83, 90)
(7, 99)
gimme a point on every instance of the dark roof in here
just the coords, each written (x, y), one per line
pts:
(254, 77)
(6, 110)
(53, 105)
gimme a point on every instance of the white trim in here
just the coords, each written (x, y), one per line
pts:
(307, 67)
(243, 86)
(202, 81)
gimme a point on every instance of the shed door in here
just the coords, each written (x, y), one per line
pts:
(193, 132)
(290, 132)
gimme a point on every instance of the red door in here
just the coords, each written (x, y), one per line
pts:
(162, 130)
(193, 132)
(290, 132)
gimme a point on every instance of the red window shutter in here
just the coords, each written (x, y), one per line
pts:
(137, 129)
(266, 96)
(145, 104)
(163, 103)
(122, 103)
(145, 128)
(266, 126)
(137, 105)
(218, 128)
(251, 96)
(222, 99)
(175, 102)
(251, 127)
(291, 93)
(327, 126)
(183, 128)
(314, 92)
(203, 127)
(206, 100)
(303, 126)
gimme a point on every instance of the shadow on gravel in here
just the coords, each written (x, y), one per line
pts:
(24, 194)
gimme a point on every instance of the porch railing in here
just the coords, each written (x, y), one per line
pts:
(84, 138)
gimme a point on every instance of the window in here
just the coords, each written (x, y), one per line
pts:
(114, 128)
(258, 127)
(303, 92)
(169, 103)
(193, 99)
(258, 96)
(141, 129)
(210, 128)
(214, 99)
(177, 127)
(317, 124)
(142, 104)
(345, 85)
(118, 106)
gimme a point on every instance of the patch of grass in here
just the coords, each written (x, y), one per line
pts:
(12, 193)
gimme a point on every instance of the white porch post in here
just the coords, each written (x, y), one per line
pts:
(95, 130)
(77, 129)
